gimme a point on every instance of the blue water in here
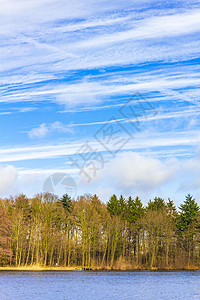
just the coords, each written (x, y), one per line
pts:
(99, 285)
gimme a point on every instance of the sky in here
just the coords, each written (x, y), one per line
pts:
(100, 97)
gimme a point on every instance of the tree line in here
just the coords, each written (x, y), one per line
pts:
(122, 234)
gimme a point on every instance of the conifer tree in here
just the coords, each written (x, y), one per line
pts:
(188, 212)
(66, 202)
(113, 206)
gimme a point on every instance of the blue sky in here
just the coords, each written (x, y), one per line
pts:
(69, 71)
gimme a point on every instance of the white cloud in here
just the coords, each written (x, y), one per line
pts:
(25, 16)
(8, 175)
(97, 90)
(156, 27)
(145, 140)
(51, 47)
(45, 129)
(128, 173)
(45, 42)
(5, 113)
(59, 127)
(39, 132)
(132, 170)
(150, 115)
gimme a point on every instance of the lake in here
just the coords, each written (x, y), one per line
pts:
(99, 285)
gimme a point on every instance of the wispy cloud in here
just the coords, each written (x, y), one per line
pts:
(156, 27)
(5, 113)
(140, 142)
(46, 129)
(88, 91)
(91, 57)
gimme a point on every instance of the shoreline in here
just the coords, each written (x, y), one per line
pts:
(48, 268)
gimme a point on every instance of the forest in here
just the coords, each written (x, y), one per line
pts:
(123, 234)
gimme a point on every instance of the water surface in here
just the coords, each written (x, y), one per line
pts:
(99, 285)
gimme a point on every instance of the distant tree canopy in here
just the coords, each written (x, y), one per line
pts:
(45, 230)
(157, 204)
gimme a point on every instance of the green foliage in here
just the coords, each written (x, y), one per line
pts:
(135, 209)
(122, 207)
(66, 202)
(188, 213)
(157, 204)
(45, 230)
(113, 206)
(171, 208)
(130, 210)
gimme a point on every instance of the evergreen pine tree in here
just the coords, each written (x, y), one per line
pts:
(66, 202)
(113, 206)
(188, 212)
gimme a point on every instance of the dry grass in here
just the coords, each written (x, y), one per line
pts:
(120, 265)
(38, 268)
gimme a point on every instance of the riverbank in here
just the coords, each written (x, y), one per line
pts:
(78, 268)
(38, 268)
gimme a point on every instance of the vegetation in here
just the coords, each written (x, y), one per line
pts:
(45, 231)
